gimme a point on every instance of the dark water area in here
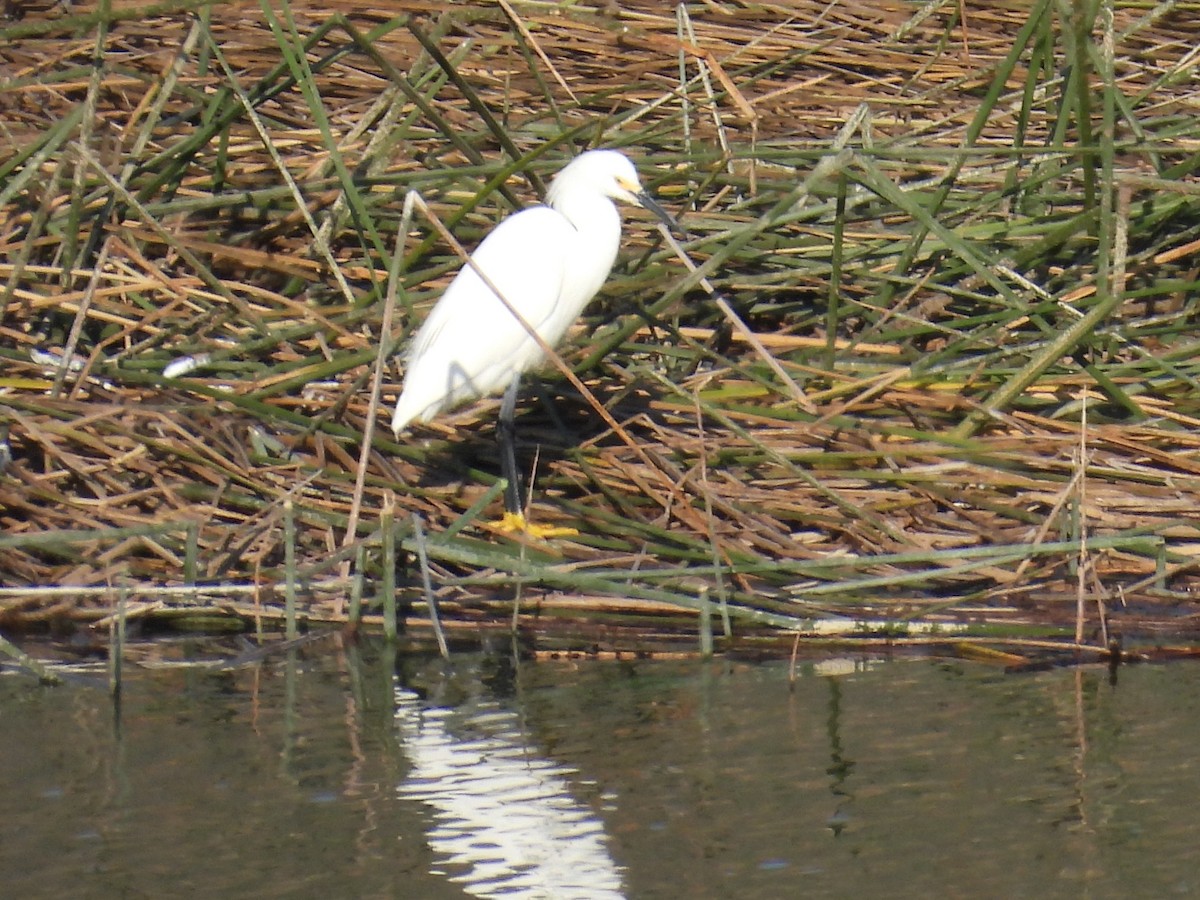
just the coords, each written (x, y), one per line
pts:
(348, 772)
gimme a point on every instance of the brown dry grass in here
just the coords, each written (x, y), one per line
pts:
(931, 477)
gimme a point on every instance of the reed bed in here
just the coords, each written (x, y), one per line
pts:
(935, 369)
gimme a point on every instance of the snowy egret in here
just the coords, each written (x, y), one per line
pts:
(544, 263)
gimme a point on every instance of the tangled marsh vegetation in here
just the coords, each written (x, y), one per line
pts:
(937, 365)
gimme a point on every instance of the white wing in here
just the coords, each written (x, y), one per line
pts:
(471, 344)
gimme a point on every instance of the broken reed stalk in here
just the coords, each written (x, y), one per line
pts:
(45, 673)
(354, 613)
(290, 575)
(191, 553)
(387, 582)
(706, 632)
(435, 618)
(116, 646)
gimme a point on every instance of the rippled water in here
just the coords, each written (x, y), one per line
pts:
(505, 819)
(345, 773)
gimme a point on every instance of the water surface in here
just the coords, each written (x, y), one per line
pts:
(342, 772)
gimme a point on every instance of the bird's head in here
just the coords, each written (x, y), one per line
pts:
(610, 173)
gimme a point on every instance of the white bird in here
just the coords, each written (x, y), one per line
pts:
(547, 262)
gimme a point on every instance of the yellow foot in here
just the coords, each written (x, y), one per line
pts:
(515, 522)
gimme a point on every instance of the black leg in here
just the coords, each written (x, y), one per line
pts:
(506, 434)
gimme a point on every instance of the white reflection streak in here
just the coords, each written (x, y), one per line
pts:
(504, 814)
